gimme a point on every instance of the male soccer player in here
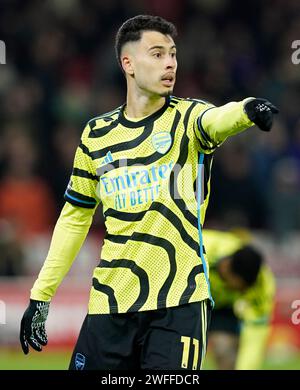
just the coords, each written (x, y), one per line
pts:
(243, 288)
(149, 300)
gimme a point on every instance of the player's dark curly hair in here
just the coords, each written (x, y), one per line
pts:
(246, 263)
(132, 29)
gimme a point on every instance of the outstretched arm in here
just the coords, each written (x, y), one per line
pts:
(217, 123)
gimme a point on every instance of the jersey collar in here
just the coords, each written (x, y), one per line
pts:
(128, 123)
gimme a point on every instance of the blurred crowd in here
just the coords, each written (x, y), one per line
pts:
(61, 70)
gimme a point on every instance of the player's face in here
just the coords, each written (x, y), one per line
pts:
(154, 63)
(232, 280)
(235, 282)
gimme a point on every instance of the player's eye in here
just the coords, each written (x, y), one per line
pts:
(173, 55)
(157, 55)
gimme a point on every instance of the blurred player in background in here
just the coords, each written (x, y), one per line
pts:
(243, 288)
(150, 297)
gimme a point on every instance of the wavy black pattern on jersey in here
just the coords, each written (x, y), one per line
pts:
(160, 242)
(107, 117)
(124, 216)
(180, 162)
(85, 149)
(97, 133)
(146, 160)
(83, 173)
(139, 272)
(205, 136)
(191, 284)
(166, 212)
(126, 145)
(109, 292)
(205, 141)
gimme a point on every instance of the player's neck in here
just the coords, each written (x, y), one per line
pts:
(139, 105)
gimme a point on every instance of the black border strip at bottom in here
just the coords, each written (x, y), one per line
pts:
(133, 379)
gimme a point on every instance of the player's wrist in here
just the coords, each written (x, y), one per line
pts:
(38, 295)
(245, 101)
(248, 120)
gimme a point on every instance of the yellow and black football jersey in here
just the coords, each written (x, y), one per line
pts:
(148, 177)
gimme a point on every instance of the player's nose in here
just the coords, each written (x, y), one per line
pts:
(171, 62)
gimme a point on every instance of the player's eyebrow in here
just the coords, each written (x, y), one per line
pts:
(160, 47)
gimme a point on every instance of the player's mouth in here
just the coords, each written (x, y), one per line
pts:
(168, 79)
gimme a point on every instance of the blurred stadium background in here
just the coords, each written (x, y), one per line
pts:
(60, 71)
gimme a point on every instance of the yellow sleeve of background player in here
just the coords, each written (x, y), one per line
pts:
(252, 346)
(255, 310)
(69, 234)
(215, 124)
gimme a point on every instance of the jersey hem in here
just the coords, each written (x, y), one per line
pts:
(161, 305)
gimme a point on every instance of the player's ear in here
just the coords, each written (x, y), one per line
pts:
(127, 64)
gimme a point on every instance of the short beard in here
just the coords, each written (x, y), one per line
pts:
(167, 94)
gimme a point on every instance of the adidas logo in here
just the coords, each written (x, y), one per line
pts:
(107, 159)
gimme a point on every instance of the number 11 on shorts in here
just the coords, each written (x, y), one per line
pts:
(187, 341)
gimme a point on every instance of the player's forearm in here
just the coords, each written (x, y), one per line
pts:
(221, 122)
(69, 234)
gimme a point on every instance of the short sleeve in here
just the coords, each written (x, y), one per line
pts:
(81, 190)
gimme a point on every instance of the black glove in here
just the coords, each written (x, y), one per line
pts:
(260, 111)
(32, 329)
